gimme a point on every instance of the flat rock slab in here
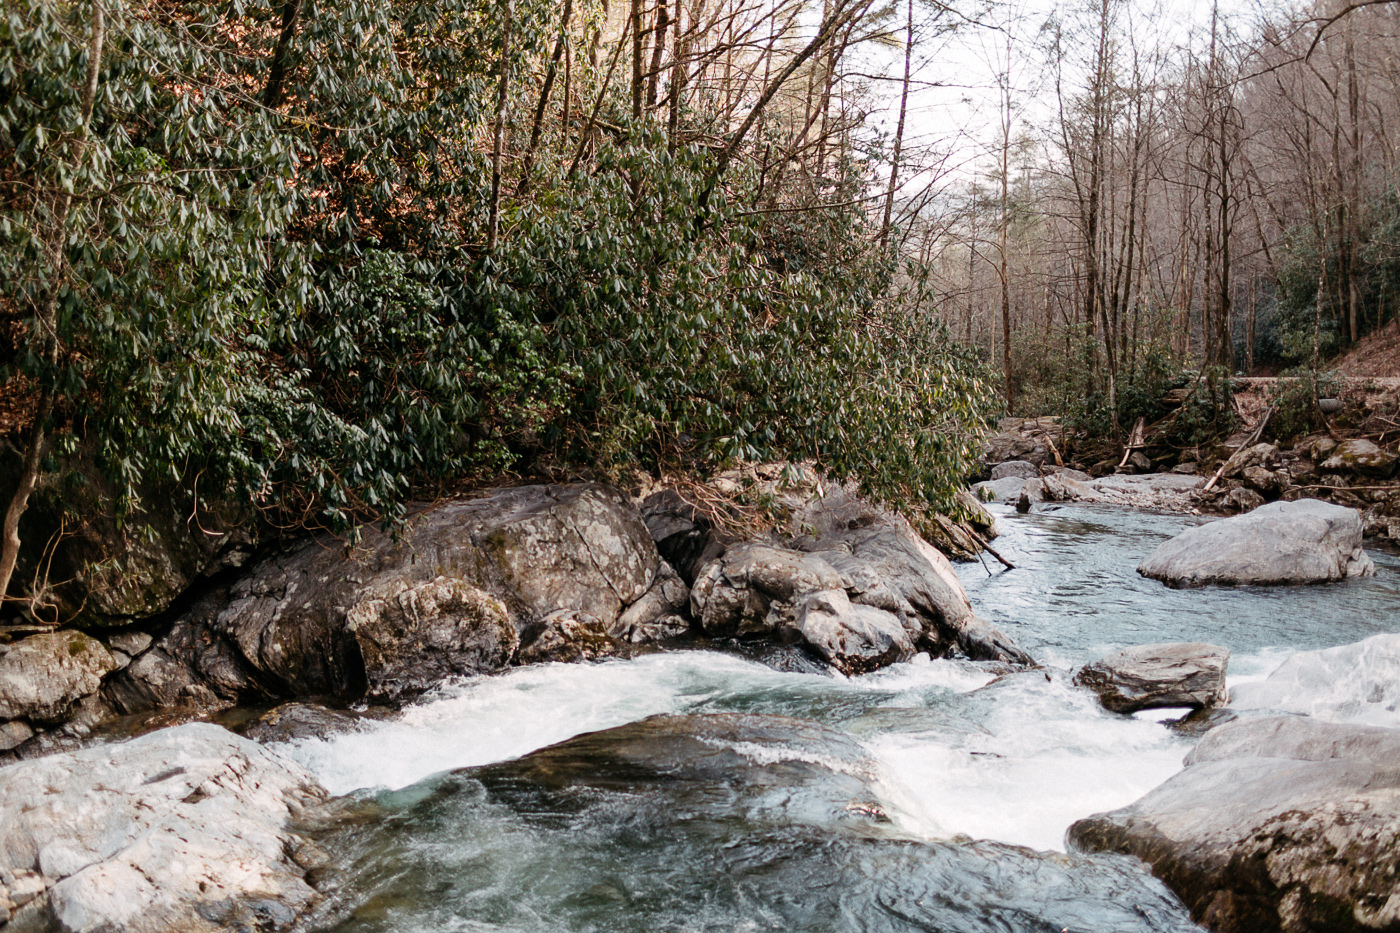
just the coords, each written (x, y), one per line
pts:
(1179, 674)
(182, 829)
(1276, 824)
(1307, 541)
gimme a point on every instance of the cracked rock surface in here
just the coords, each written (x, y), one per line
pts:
(183, 829)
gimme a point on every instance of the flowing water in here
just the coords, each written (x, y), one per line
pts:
(932, 796)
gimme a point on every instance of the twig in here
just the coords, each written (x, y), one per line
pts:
(1253, 439)
(991, 550)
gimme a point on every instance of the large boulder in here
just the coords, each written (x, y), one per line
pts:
(183, 829)
(1180, 674)
(1307, 541)
(457, 591)
(1017, 468)
(1276, 824)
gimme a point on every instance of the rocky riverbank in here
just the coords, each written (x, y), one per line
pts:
(511, 576)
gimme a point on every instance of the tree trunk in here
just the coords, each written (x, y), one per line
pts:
(47, 317)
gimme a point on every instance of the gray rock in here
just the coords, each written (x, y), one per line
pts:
(1000, 490)
(1015, 446)
(454, 593)
(292, 721)
(1268, 482)
(1281, 543)
(1259, 455)
(684, 537)
(1016, 468)
(1279, 823)
(569, 635)
(661, 613)
(733, 595)
(851, 637)
(130, 643)
(1190, 674)
(1241, 499)
(1359, 455)
(42, 677)
(426, 633)
(14, 733)
(183, 829)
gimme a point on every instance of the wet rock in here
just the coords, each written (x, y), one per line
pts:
(1281, 543)
(1279, 823)
(44, 676)
(426, 633)
(452, 593)
(1358, 683)
(292, 721)
(1190, 674)
(1359, 455)
(851, 637)
(1187, 468)
(183, 829)
(569, 635)
(1015, 468)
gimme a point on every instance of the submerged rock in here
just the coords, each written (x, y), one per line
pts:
(1307, 541)
(1189, 674)
(183, 829)
(1279, 823)
(718, 822)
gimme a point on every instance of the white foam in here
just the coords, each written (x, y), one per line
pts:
(1053, 756)
(1357, 683)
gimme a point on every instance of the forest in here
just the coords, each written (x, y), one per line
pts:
(327, 256)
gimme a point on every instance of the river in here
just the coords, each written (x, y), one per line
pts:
(933, 795)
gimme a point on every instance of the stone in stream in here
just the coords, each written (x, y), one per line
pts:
(1306, 541)
(1281, 823)
(1015, 468)
(183, 829)
(1180, 674)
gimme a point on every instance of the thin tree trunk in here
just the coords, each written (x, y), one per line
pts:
(550, 72)
(276, 77)
(47, 323)
(899, 130)
(498, 134)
